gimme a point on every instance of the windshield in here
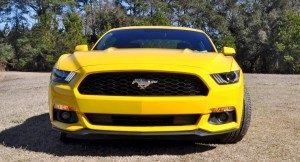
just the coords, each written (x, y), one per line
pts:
(156, 38)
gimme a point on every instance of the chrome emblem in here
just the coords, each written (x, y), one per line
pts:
(144, 83)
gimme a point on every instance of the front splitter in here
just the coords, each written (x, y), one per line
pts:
(198, 135)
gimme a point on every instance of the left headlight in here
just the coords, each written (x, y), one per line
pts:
(227, 78)
(62, 76)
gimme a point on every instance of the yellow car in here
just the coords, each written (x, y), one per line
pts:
(150, 82)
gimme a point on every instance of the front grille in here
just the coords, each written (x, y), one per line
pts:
(122, 84)
(142, 120)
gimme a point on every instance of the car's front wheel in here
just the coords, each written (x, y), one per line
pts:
(238, 135)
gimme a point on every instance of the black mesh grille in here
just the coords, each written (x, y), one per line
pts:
(142, 120)
(121, 84)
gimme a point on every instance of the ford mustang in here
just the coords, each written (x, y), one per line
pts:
(150, 82)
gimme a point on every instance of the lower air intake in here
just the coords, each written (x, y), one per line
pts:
(142, 120)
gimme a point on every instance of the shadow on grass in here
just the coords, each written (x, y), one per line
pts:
(36, 134)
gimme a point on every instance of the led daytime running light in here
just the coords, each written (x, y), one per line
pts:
(70, 76)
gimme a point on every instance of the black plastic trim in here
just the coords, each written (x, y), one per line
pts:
(176, 135)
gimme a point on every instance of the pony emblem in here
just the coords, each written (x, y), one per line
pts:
(144, 83)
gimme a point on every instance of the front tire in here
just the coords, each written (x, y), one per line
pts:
(238, 135)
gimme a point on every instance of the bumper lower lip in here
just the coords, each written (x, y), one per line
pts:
(198, 135)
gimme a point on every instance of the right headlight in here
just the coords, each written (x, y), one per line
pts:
(227, 78)
(62, 76)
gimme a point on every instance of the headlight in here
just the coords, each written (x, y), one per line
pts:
(227, 78)
(61, 76)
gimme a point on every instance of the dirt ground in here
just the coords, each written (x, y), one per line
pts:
(26, 134)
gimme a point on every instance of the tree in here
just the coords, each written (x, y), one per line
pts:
(288, 44)
(72, 34)
(6, 51)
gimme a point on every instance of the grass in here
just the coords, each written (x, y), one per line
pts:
(26, 134)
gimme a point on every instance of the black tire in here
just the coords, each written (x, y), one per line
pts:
(63, 137)
(238, 135)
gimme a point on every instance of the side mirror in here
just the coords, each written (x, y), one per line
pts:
(82, 48)
(228, 51)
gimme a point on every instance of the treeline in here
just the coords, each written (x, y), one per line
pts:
(265, 33)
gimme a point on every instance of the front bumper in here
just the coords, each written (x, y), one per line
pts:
(219, 96)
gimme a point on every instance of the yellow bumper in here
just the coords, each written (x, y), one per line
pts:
(218, 96)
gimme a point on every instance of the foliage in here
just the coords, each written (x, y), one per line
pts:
(6, 53)
(34, 33)
(288, 43)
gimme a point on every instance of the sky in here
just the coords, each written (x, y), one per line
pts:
(9, 19)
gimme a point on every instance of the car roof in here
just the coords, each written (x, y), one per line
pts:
(157, 27)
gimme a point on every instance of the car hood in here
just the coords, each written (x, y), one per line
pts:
(210, 61)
